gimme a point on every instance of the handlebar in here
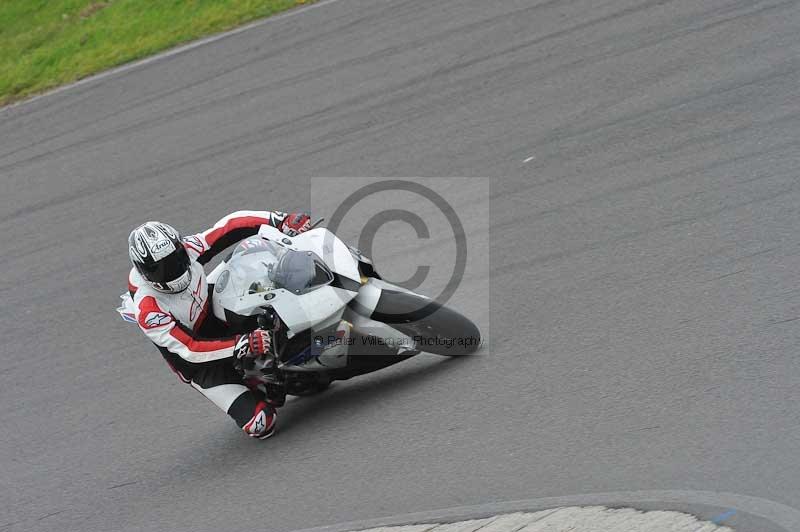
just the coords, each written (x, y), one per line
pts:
(312, 226)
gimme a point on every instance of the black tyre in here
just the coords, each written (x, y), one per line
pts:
(312, 389)
(436, 328)
(302, 384)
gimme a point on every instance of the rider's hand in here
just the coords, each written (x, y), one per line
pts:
(253, 345)
(295, 223)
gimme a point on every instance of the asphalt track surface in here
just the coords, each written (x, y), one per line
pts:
(644, 298)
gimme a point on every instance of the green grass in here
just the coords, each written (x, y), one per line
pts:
(45, 43)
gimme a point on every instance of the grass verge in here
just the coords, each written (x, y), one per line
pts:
(46, 43)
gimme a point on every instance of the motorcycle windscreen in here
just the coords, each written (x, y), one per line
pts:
(300, 272)
(251, 266)
(258, 265)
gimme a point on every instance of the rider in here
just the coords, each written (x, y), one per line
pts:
(172, 298)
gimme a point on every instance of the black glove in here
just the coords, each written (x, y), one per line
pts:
(250, 347)
(253, 345)
(295, 223)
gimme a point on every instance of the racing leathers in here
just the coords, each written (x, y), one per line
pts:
(196, 345)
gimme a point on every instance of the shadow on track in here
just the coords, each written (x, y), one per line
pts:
(356, 393)
(228, 449)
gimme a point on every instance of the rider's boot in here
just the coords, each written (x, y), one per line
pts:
(262, 424)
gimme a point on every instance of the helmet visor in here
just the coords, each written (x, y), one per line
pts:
(167, 269)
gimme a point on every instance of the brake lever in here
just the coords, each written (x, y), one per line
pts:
(270, 321)
(315, 224)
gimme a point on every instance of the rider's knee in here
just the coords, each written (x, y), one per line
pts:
(262, 423)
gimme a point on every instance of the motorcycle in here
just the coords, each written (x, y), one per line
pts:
(331, 315)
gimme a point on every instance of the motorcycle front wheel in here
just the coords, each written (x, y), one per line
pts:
(435, 328)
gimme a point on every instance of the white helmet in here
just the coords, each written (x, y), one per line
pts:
(158, 254)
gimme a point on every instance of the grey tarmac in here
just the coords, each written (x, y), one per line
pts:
(644, 227)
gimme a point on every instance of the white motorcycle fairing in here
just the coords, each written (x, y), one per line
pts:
(313, 307)
(308, 281)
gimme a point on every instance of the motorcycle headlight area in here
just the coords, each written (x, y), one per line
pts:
(258, 266)
(300, 272)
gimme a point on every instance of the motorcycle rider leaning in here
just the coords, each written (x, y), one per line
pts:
(172, 299)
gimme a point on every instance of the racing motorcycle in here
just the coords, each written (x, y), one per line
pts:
(331, 315)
